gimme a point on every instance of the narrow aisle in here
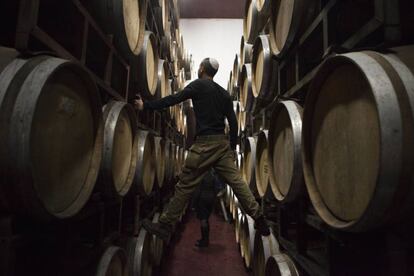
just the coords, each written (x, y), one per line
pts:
(222, 257)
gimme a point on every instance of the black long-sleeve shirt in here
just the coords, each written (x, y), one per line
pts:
(211, 105)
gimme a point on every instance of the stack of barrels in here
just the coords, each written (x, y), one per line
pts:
(262, 255)
(346, 148)
(61, 142)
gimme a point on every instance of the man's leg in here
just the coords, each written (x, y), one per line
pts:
(199, 160)
(227, 169)
(189, 179)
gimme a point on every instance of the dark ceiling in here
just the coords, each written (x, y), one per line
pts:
(211, 8)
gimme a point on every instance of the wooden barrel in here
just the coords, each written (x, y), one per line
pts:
(235, 206)
(263, 6)
(176, 72)
(166, 25)
(160, 160)
(227, 197)
(139, 254)
(242, 120)
(165, 47)
(357, 139)
(288, 20)
(280, 265)
(236, 71)
(113, 263)
(46, 170)
(241, 236)
(167, 162)
(174, 49)
(264, 248)
(181, 77)
(145, 172)
(162, 80)
(247, 241)
(246, 52)
(264, 70)
(249, 161)
(230, 83)
(246, 89)
(188, 60)
(145, 68)
(125, 20)
(240, 217)
(157, 245)
(236, 108)
(262, 164)
(285, 160)
(119, 149)
(253, 21)
(161, 13)
(231, 203)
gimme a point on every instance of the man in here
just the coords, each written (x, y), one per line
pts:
(212, 149)
(203, 202)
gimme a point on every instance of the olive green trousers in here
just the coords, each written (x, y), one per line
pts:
(209, 152)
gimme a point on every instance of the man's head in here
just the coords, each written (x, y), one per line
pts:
(208, 67)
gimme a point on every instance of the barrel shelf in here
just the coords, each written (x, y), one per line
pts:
(151, 24)
(321, 250)
(174, 15)
(86, 45)
(378, 26)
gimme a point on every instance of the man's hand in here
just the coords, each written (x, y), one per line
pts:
(138, 103)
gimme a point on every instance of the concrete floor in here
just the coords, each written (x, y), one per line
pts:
(222, 257)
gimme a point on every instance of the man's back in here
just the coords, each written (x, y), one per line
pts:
(211, 105)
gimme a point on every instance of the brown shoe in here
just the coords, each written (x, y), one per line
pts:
(161, 230)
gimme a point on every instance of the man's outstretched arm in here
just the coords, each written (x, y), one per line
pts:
(168, 101)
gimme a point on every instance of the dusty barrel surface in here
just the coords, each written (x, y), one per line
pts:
(246, 89)
(48, 170)
(160, 160)
(285, 159)
(288, 20)
(125, 20)
(280, 264)
(264, 248)
(145, 67)
(113, 263)
(262, 163)
(145, 173)
(139, 254)
(264, 70)
(119, 149)
(357, 139)
(249, 161)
